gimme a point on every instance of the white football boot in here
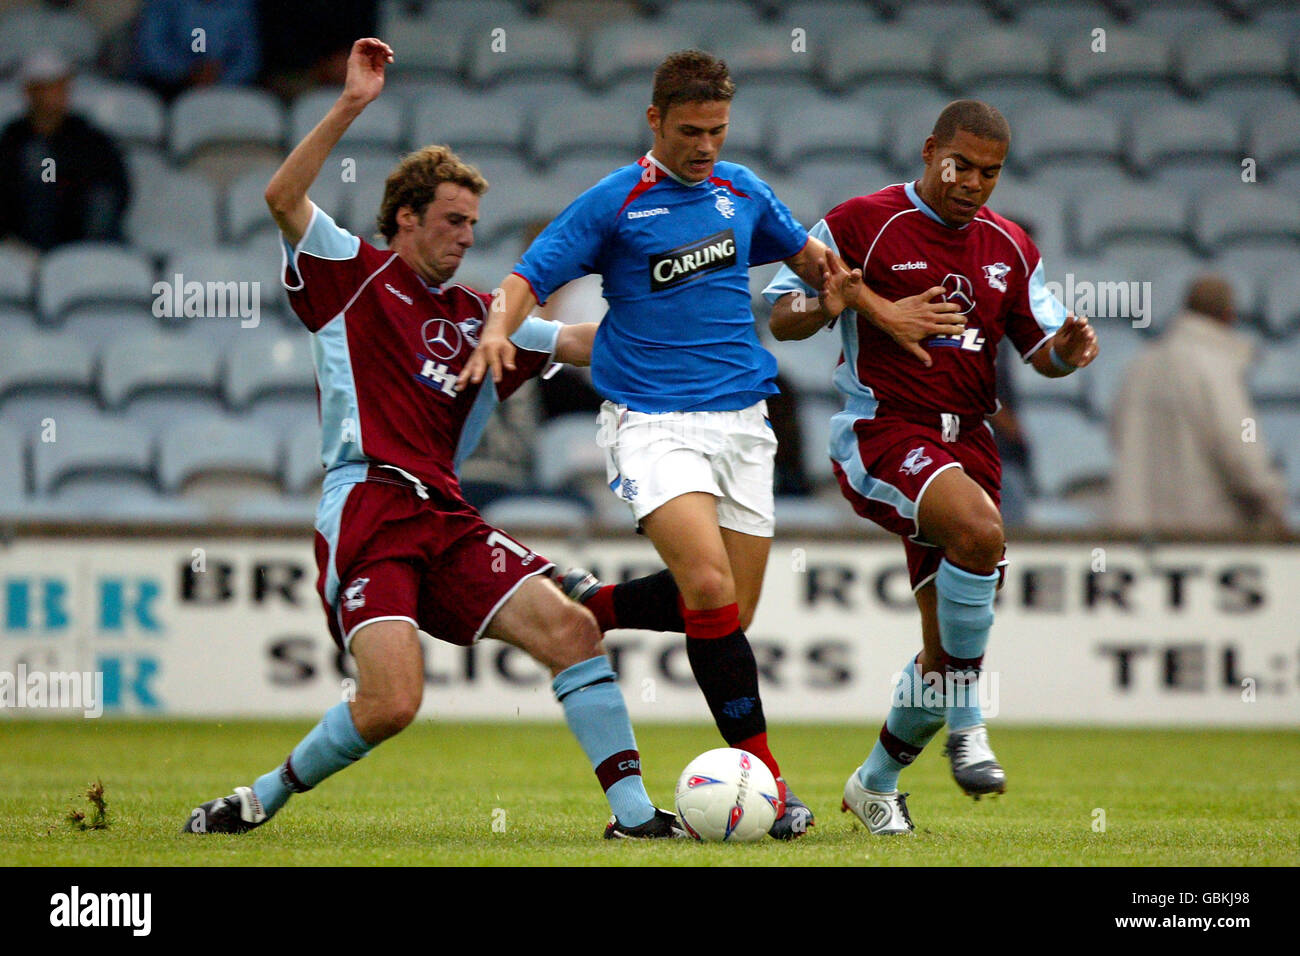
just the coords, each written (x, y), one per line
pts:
(974, 767)
(884, 814)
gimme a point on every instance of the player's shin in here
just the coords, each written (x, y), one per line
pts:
(330, 746)
(597, 715)
(965, 609)
(724, 667)
(915, 715)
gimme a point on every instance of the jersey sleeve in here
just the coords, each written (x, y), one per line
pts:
(777, 234)
(323, 272)
(1036, 313)
(534, 343)
(787, 280)
(570, 246)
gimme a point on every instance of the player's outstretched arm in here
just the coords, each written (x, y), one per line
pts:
(286, 194)
(511, 304)
(573, 344)
(1074, 345)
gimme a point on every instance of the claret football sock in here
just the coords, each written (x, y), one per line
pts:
(965, 606)
(915, 716)
(330, 746)
(724, 667)
(597, 715)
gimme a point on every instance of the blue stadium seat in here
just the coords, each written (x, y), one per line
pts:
(822, 129)
(1275, 139)
(575, 174)
(1180, 18)
(1133, 59)
(293, 511)
(522, 49)
(131, 114)
(264, 362)
(1274, 376)
(997, 54)
(748, 134)
(1246, 213)
(1039, 391)
(1164, 135)
(971, 16)
(91, 272)
(1068, 449)
(1074, 135)
(1040, 212)
(1124, 212)
(177, 211)
(708, 20)
(631, 50)
(536, 198)
(763, 52)
(587, 127)
(888, 53)
(226, 117)
(48, 361)
(382, 125)
(92, 447)
(172, 361)
(1061, 19)
(1210, 58)
(220, 446)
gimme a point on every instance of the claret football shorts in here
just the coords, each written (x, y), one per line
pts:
(651, 458)
(385, 553)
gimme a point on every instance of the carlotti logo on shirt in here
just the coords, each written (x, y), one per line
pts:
(688, 263)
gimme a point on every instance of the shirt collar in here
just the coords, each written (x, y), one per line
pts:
(668, 172)
(919, 203)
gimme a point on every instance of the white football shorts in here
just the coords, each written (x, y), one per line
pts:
(651, 458)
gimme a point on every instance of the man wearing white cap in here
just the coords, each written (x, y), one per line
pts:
(61, 179)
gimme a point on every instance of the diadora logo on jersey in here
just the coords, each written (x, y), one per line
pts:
(724, 203)
(957, 288)
(687, 263)
(442, 338)
(437, 376)
(916, 460)
(997, 275)
(354, 597)
(905, 266)
(647, 213)
(401, 295)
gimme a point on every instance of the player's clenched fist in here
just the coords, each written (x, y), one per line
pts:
(366, 64)
(1075, 342)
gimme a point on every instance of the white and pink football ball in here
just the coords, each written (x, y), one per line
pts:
(727, 796)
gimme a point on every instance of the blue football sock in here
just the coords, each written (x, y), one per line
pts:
(965, 605)
(332, 745)
(595, 711)
(915, 716)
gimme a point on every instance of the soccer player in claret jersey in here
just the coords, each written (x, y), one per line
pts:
(678, 360)
(396, 543)
(911, 449)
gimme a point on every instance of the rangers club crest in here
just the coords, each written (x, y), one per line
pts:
(997, 275)
(724, 204)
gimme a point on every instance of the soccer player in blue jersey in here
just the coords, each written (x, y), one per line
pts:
(678, 360)
(397, 545)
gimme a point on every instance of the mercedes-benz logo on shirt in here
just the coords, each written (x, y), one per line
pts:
(442, 338)
(957, 288)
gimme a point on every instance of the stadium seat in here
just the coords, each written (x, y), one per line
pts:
(575, 174)
(24, 30)
(1040, 212)
(1061, 19)
(1118, 344)
(1039, 391)
(808, 364)
(429, 40)
(91, 272)
(996, 53)
(170, 361)
(225, 117)
(92, 447)
(628, 50)
(226, 264)
(1132, 58)
(17, 275)
(589, 128)
(840, 179)
(796, 515)
(1068, 450)
(1209, 58)
(521, 49)
(969, 16)
(46, 361)
(13, 477)
(828, 15)
(303, 470)
(1274, 376)
(1280, 305)
(361, 193)
(484, 269)
(908, 131)
(815, 431)
(1075, 135)
(1180, 18)
(1124, 212)
(1279, 429)
(1157, 277)
(535, 198)
(1162, 135)
(177, 211)
(761, 53)
(708, 20)
(293, 511)
(518, 513)
(245, 207)
(1245, 212)
(265, 362)
(131, 114)
(748, 137)
(1275, 138)
(568, 452)
(382, 125)
(888, 53)
(822, 129)
(799, 194)
(470, 121)
(218, 445)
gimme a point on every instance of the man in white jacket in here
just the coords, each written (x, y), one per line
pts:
(1188, 453)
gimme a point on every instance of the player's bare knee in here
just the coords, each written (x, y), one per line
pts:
(977, 542)
(707, 587)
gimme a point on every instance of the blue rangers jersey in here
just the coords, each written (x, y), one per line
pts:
(674, 259)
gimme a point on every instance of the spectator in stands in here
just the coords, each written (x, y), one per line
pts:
(305, 43)
(1188, 456)
(61, 179)
(182, 44)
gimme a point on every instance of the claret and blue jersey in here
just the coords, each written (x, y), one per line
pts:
(674, 258)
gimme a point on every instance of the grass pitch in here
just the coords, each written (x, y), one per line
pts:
(523, 795)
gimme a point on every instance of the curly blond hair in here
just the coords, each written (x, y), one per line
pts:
(414, 182)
